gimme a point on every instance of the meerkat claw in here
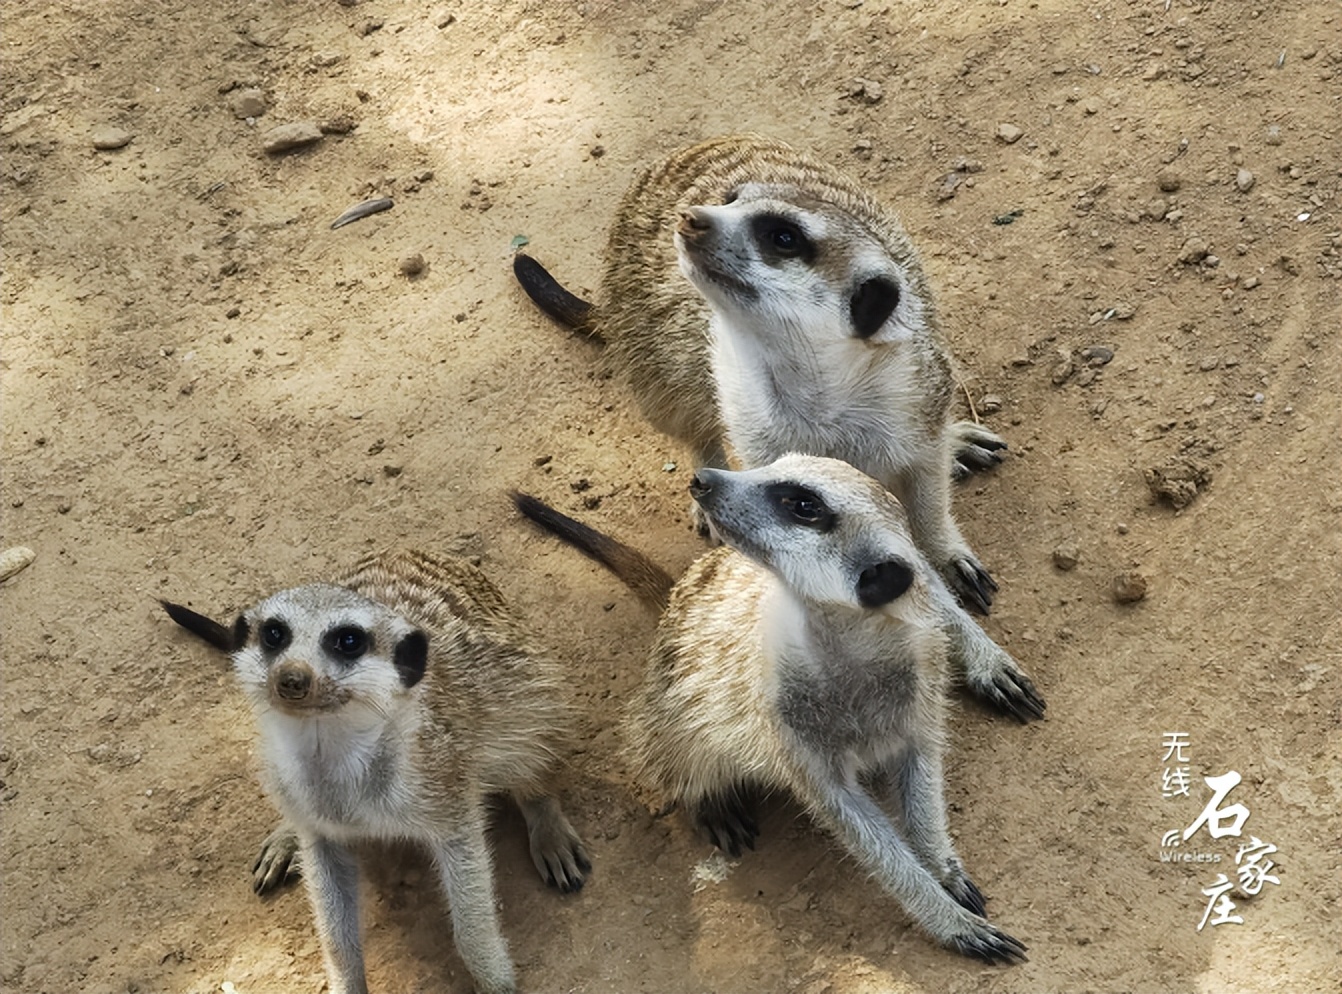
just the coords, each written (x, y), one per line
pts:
(1016, 694)
(991, 945)
(728, 824)
(966, 894)
(277, 863)
(973, 584)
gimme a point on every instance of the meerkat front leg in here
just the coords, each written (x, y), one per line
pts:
(988, 669)
(925, 491)
(467, 877)
(858, 821)
(332, 876)
(556, 848)
(916, 778)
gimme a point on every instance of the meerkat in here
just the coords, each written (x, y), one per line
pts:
(811, 653)
(756, 297)
(390, 705)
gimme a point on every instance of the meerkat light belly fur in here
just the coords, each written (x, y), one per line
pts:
(806, 324)
(390, 705)
(812, 654)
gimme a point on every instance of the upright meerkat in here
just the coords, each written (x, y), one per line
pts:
(391, 704)
(806, 325)
(812, 653)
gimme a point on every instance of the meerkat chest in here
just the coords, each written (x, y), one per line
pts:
(845, 692)
(838, 399)
(338, 778)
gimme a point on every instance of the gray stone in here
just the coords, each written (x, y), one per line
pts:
(1009, 133)
(247, 103)
(1128, 588)
(288, 137)
(1244, 181)
(108, 137)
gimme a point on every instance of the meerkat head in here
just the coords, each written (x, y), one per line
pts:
(829, 532)
(777, 257)
(317, 649)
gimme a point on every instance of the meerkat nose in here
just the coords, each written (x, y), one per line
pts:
(701, 486)
(293, 683)
(694, 220)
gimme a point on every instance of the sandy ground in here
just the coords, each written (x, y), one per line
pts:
(208, 394)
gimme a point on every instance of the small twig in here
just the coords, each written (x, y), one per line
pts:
(973, 411)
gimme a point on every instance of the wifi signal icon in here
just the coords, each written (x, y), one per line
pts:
(1170, 838)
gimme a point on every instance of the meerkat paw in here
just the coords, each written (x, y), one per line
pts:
(984, 941)
(971, 582)
(975, 449)
(278, 862)
(964, 892)
(556, 848)
(727, 821)
(1008, 689)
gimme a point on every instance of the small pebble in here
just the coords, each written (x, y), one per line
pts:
(15, 560)
(990, 404)
(1194, 250)
(288, 137)
(1168, 180)
(412, 265)
(108, 137)
(1009, 133)
(1066, 556)
(1244, 181)
(1128, 588)
(247, 103)
(1273, 136)
(1097, 355)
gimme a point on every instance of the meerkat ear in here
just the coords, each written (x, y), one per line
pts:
(411, 658)
(880, 584)
(872, 304)
(240, 633)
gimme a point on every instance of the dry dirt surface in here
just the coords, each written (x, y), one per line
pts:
(209, 394)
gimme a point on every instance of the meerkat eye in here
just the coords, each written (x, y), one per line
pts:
(780, 238)
(275, 634)
(797, 505)
(731, 196)
(348, 641)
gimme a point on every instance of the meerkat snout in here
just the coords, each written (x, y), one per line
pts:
(693, 220)
(291, 681)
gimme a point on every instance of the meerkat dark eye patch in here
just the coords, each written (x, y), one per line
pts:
(411, 658)
(885, 582)
(872, 305)
(275, 635)
(779, 239)
(799, 506)
(349, 642)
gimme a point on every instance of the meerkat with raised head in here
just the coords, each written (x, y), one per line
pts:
(806, 324)
(812, 653)
(391, 704)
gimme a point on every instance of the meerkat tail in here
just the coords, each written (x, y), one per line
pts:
(640, 574)
(200, 626)
(550, 296)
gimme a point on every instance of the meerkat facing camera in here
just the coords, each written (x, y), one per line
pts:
(390, 705)
(754, 296)
(812, 653)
